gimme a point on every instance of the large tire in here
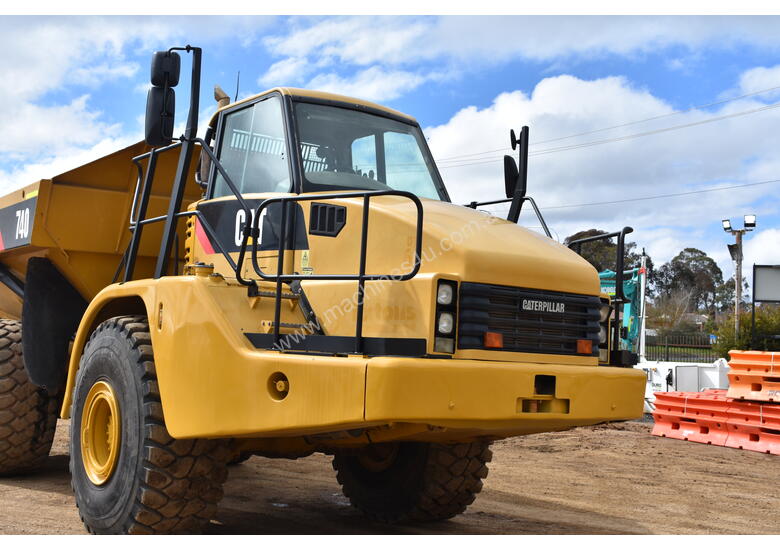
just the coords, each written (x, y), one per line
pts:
(158, 484)
(413, 482)
(28, 414)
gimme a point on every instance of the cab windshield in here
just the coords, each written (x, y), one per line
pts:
(343, 149)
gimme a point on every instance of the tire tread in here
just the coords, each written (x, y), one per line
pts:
(452, 478)
(170, 499)
(28, 413)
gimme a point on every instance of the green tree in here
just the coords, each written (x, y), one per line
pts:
(724, 295)
(691, 270)
(602, 254)
(767, 334)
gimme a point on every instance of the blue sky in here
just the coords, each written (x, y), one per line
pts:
(74, 90)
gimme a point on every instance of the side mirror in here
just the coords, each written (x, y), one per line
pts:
(510, 176)
(161, 101)
(166, 67)
(160, 109)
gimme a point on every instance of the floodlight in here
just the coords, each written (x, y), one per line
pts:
(726, 225)
(750, 221)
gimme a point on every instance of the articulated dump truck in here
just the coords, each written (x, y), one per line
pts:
(297, 281)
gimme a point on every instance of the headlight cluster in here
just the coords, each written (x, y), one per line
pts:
(446, 309)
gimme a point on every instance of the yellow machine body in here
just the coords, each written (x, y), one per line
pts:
(214, 382)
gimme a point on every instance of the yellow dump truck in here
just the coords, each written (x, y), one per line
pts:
(297, 281)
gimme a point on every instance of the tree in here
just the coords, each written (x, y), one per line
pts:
(668, 312)
(602, 254)
(724, 295)
(766, 337)
(691, 269)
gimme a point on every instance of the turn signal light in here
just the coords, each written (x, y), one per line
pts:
(585, 347)
(494, 340)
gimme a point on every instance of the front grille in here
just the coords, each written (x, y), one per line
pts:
(533, 321)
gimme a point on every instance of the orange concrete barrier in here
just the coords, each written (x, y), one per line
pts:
(713, 418)
(754, 426)
(692, 416)
(754, 375)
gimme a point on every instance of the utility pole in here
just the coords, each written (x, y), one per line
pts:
(736, 254)
(643, 315)
(738, 281)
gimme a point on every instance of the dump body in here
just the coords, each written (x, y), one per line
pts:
(79, 221)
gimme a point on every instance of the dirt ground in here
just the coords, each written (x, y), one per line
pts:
(605, 479)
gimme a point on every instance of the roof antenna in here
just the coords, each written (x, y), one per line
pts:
(238, 80)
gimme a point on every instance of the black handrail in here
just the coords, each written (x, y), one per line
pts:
(475, 204)
(361, 277)
(137, 223)
(621, 236)
(620, 297)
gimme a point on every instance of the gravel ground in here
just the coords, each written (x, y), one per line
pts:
(605, 479)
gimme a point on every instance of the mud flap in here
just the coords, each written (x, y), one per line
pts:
(51, 313)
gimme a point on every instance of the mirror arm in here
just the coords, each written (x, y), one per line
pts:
(191, 132)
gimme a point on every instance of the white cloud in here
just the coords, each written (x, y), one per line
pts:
(50, 166)
(290, 70)
(762, 247)
(374, 83)
(760, 78)
(52, 67)
(28, 128)
(97, 74)
(728, 152)
(466, 42)
(394, 40)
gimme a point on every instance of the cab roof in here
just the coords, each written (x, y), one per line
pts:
(300, 92)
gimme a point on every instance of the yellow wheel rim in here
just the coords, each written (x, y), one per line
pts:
(100, 433)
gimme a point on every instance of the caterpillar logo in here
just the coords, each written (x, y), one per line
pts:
(545, 307)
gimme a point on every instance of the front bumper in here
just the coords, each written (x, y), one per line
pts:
(499, 398)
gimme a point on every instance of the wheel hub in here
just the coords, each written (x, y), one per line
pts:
(378, 458)
(100, 433)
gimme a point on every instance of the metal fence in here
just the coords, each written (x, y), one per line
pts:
(688, 348)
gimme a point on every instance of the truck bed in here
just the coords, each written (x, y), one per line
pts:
(79, 220)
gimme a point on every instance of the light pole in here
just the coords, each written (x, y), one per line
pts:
(736, 254)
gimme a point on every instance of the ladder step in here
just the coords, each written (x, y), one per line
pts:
(287, 325)
(272, 294)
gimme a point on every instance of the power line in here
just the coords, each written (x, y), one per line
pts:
(623, 125)
(623, 138)
(663, 196)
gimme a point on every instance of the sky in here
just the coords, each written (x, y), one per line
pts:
(619, 108)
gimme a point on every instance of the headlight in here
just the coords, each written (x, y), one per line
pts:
(444, 294)
(605, 310)
(445, 323)
(602, 334)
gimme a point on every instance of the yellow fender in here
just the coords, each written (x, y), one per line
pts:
(136, 297)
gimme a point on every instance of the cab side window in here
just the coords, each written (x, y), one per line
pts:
(252, 150)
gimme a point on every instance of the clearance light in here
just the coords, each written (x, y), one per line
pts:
(494, 340)
(585, 347)
(446, 322)
(444, 294)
